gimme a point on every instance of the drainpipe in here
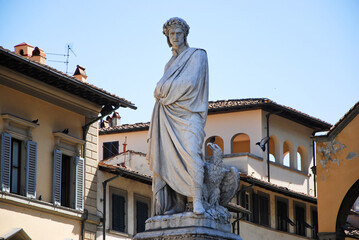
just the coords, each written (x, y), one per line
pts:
(267, 116)
(104, 184)
(314, 168)
(107, 109)
(84, 218)
(238, 224)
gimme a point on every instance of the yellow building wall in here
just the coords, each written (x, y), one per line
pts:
(335, 179)
(52, 118)
(38, 225)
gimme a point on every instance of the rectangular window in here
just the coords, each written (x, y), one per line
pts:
(15, 173)
(18, 166)
(282, 215)
(110, 149)
(299, 220)
(314, 224)
(245, 202)
(260, 209)
(263, 210)
(142, 212)
(66, 181)
(18, 156)
(118, 213)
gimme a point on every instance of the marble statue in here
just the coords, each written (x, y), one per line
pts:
(175, 141)
(177, 126)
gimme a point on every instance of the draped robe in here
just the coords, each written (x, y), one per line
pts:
(177, 128)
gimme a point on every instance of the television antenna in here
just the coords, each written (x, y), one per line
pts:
(67, 55)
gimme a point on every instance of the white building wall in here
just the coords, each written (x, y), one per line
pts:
(136, 141)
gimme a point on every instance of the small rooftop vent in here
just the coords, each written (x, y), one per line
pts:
(80, 73)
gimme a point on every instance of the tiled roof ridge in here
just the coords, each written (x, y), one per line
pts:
(121, 153)
(251, 101)
(214, 105)
(123, 168)
(342, 119)
(125, 127)
(56, 71)
(242, 175)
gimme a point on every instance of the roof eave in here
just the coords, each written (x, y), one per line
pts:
(48, 71)
(126, 174)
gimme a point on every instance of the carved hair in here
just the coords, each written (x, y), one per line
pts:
(172, 22)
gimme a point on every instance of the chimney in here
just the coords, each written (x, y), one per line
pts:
(38, 55)
(116, 119)
(24, 49)
(80, 73)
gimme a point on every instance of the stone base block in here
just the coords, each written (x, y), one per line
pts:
(187, 225)
(187, 233)
(186, 219)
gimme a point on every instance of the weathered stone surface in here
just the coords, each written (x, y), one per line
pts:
(186, 219)
(188, 233)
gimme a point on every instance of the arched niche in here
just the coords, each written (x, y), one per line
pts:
(288, 154)
(241, 143)
(273, 149)
(302, 159)
(217, 140)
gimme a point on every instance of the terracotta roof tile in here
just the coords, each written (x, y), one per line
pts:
(89, 89)
(243, 177)
(23, 44)
(277, 188)
(234, 105)
(125, 128)
(126, 172)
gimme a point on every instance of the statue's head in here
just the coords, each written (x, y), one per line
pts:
(173, 23)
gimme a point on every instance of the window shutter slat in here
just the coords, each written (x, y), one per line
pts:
(79, 199)
(56, 185)
(5, 161)
(142, 215)
(31, 162)
(118, 213)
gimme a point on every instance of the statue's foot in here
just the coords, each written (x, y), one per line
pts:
(198, 207)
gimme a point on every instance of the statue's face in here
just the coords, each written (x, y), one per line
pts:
(176, 36)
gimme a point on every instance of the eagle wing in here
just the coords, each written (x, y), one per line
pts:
(229, 186)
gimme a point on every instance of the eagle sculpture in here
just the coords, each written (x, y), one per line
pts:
(220, 182)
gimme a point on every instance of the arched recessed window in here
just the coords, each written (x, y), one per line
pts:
(287, 151)
(302, 158)
(273, 141)
(299, 161)
(217, 140)
(21, 52)
(241, 143)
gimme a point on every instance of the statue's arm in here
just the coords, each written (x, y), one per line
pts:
(189, 80)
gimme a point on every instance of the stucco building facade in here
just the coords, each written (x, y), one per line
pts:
(279, 194)
(338, 179)
(49, 138)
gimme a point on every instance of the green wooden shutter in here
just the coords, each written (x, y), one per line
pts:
(141, 216)
(79, 194)
(31, 158)
(56, 184)
(5, 161)
(118, 213)
(255, 208)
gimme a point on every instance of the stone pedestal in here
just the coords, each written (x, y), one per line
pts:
(186, 226)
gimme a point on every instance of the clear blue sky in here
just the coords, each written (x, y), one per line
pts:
(300, 53)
